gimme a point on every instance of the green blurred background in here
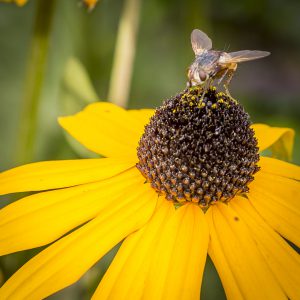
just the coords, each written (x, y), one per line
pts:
(79, 63)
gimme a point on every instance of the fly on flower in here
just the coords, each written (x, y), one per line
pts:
(211, 64)
(208, 191)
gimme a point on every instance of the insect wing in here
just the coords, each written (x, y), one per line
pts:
(200, 41)
(244, 55)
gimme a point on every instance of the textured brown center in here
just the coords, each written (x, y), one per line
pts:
(199, 150)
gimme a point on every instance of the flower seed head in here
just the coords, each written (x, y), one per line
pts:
(199, 149)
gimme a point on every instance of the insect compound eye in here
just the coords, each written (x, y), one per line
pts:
(202, 75)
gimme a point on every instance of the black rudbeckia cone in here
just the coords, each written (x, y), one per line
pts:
(199, 149)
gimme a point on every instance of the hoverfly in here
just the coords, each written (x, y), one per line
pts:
(211, 64)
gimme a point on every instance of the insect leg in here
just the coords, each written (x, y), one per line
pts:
(230, 74)
(189, 82)
(223, 76)
(206, 86)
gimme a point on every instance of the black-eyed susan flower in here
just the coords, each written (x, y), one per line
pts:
(189, 183)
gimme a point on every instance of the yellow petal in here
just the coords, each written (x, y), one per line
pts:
(165, 260)
(279, 167)
(242, 268)
(281, 258)
(65, 261)
(277, 200)
(143, 116)
(58, 174)
(127, 273)
(281, 139)
(25, 223)
(106, 129)
(277, 189)
(178, 257)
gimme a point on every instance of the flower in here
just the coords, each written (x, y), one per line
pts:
(17, 2)
(90, 4)
(216, 208)
(20, 2)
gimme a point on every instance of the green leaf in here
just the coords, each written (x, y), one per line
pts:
(77, 92)
(78, 83)
(283, 148)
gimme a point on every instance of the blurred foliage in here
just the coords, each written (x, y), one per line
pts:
(80, 60)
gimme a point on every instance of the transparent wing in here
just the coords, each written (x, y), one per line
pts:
(200, 41)
(245, 55)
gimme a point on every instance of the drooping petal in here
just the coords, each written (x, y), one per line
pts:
(242, 268)
(279, 167)
(126, 275)
(58, 174)
(106, 129)
(276, 198)
(283, 261)
(281, 139)
(41, 218)
(164, 261)
(65, 261)
(179, 256)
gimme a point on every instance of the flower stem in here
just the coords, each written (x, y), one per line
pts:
(35, 75)
(124, 53)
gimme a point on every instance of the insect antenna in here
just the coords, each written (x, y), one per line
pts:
(226, 48)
